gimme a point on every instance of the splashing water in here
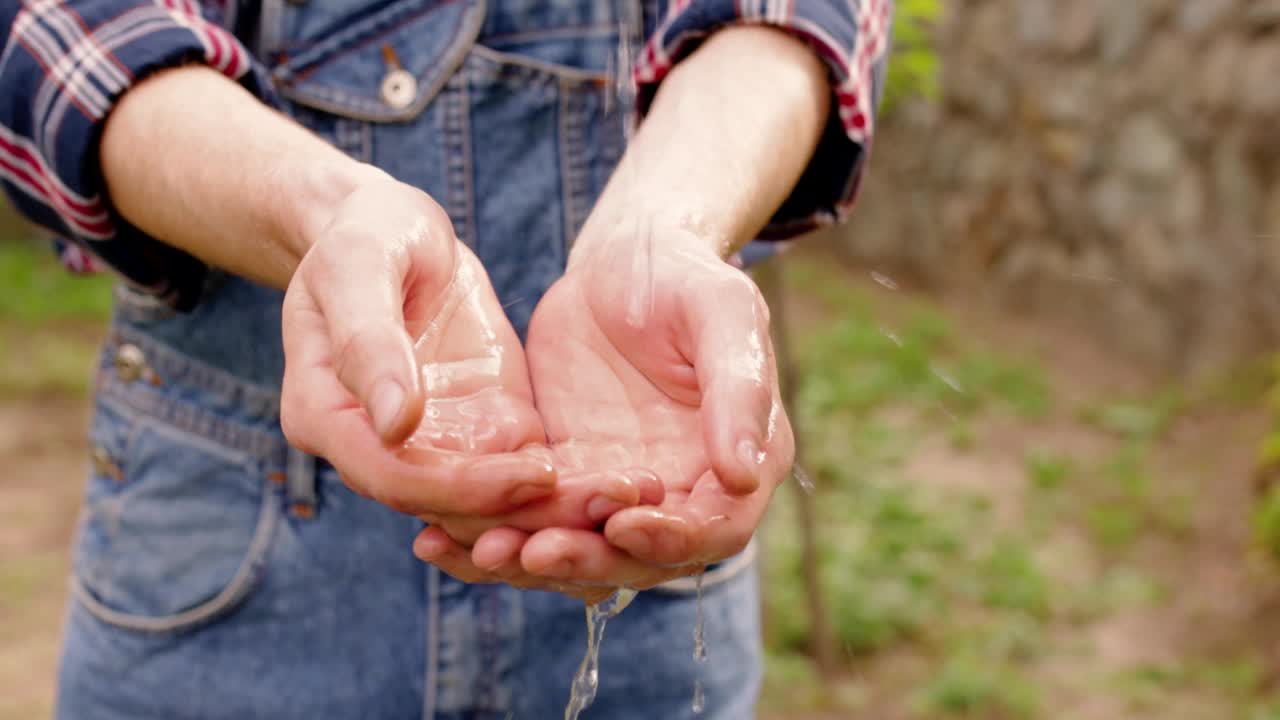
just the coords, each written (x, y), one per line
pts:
(802, 477)
(699, 648)
(587, 681)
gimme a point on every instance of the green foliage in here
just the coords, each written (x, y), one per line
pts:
(894, 559)
(1046, 469)
(34, 289)
(50, 320)
(1013, 580)
(970, 686)
(913, 69)
(1266, 522)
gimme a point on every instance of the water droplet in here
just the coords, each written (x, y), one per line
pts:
(950, 381)
(884, 280)
(802, 477)
(699, 645)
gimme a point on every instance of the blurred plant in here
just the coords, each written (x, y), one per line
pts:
(913, 68)
(1266, 514)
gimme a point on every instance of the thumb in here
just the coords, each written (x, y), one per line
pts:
(361, 296)
(733, 359)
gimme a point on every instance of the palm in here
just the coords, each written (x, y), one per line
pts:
(613, 394)
(473, 372)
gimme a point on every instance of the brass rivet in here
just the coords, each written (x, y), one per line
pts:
(304, 511)
(130, 362)
(276, 478)
(103, 465)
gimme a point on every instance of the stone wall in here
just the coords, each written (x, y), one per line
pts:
(1109, 164)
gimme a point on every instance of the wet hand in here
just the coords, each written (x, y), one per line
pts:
(400, 367)
(655, 356)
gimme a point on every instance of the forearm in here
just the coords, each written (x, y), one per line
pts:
(728, 135)
(194, 160)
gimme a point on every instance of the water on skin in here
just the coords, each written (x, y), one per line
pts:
(587, 681)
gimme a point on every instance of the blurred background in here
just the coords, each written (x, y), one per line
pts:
(1033, 379)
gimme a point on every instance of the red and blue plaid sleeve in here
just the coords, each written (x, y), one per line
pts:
(852, 39)
(63, 65)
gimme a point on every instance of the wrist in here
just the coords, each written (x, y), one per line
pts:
(315, 194)
(628, 219)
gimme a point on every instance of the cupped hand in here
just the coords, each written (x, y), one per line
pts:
(648, 355)
(400, 367)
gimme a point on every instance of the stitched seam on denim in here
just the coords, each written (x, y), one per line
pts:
(429, 695)
(433, 79)
(355, 37)
(521, 64)
(577, 190)
(458, 157)
(486, 613)
(726, 572)
(225, 453)
(230, 597)
(261, 445)
(571, 32)
(174, 366)
(567, 212)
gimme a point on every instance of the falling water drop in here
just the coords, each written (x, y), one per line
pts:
(699, 647)
(587, 681)
(802, 477)
(699, 698)
(884, 280)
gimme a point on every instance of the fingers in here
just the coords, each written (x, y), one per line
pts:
(586, 557)
(498, 552)
(434, 546)
(360, 293)
(709, 526)
(583, 500)
(733, 357)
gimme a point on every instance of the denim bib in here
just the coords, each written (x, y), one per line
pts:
(220, 572)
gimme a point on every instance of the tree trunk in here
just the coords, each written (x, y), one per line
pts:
(769, 277)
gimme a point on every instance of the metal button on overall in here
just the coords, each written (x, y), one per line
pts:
(130, 362)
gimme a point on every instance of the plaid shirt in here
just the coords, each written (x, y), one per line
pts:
(64, 63)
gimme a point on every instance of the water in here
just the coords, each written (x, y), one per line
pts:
(802, 477)
(699, 649)
(587, 681)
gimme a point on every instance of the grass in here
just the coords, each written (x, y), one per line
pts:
(917, 567)
(50, 320)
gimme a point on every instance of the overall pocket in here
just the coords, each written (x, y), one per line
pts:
(174, 528)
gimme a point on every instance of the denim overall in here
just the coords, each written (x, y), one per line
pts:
(220, 573)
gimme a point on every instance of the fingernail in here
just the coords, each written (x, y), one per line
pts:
(528, 493)
(426, 550)
(750, 453)
(384, 408)
(599, 508)
(636, 542)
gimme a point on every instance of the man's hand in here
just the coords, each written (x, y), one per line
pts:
(652, 352)
(673, 371)
(391, 329)
(400, 367)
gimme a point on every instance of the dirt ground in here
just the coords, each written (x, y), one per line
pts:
(1221, 601)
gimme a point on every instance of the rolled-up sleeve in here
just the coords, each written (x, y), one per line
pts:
(63, 66)
(852, 39)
